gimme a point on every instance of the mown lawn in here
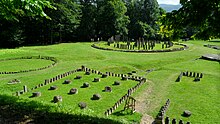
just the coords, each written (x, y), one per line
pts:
(201, 98)
(71, 101)
(23, 64)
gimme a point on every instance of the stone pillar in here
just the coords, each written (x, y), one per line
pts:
(159, 120)
(25, 88)
(174, 121)
(167, 120)
(18, 93)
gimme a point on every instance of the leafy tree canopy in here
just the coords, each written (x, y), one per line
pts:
(14, 9)
(201, 14)
(111, 18)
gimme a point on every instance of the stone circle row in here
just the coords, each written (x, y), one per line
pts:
(31, 57)
(145, 45)
(144, 51)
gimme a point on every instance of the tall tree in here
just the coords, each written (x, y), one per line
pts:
(151, 13)
(111, 19)
(134, 13)
(62, 26)
(143, 14)
(11, 18)
(87, 28)
(67, 18)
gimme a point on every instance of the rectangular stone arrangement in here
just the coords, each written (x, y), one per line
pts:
(123, 98)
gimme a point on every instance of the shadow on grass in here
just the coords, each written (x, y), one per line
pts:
(123, 113)
(215, 41)
(15, 110)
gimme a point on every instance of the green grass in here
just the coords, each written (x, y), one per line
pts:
(97, 107)
(23, 64)
(201, 98)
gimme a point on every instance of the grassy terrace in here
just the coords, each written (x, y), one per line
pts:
(201, 98)
(23, 64)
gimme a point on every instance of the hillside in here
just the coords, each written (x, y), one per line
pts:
(169, 7)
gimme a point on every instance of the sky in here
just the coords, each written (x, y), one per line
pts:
(174, 2)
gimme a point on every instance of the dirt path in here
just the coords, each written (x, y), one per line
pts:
(142, 104)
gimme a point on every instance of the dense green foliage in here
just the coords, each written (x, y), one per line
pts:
(201, 16)
(26, 22)
(13, 10)
(143, 17)
(111, 19)
(46, 22)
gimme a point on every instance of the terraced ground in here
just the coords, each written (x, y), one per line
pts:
(201, 98)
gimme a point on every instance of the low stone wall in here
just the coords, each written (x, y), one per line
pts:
(174, 121)
(109, 111)
(47, 81)
(144, 51)
(31, 57)
(161, 114)
(123, 98)
(195, 75)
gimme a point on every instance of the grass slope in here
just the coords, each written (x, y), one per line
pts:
(201, 98)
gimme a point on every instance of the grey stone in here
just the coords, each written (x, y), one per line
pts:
(57, 99)
(85, 85)
(82, 105)
(197, 79)
(96, 97)
(36, 94)
(53, 88)
(104, 75)
(87, 73)
(187, 113)
(78, 77)
(67, 82)
(108, 89)
(124, 78)
(96, 79)
(73, 91)
(116, 83)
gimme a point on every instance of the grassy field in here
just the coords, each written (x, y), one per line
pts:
(201, 98)
(71, 101)
(23, 64)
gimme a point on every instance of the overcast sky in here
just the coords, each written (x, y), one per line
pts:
(174, 2)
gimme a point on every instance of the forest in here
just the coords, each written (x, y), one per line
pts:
(41, 22)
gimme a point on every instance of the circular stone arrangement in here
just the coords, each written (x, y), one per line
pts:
(141, 46)
(15, 81)
(54, 60)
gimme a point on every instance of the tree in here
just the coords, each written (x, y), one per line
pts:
(134, 13)
(62, 26)
(111, 19)
(203, 14)
(143, 16)
(87, 28)
(66, 19)
(151, 12)
(12, 16)
(14, 9)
